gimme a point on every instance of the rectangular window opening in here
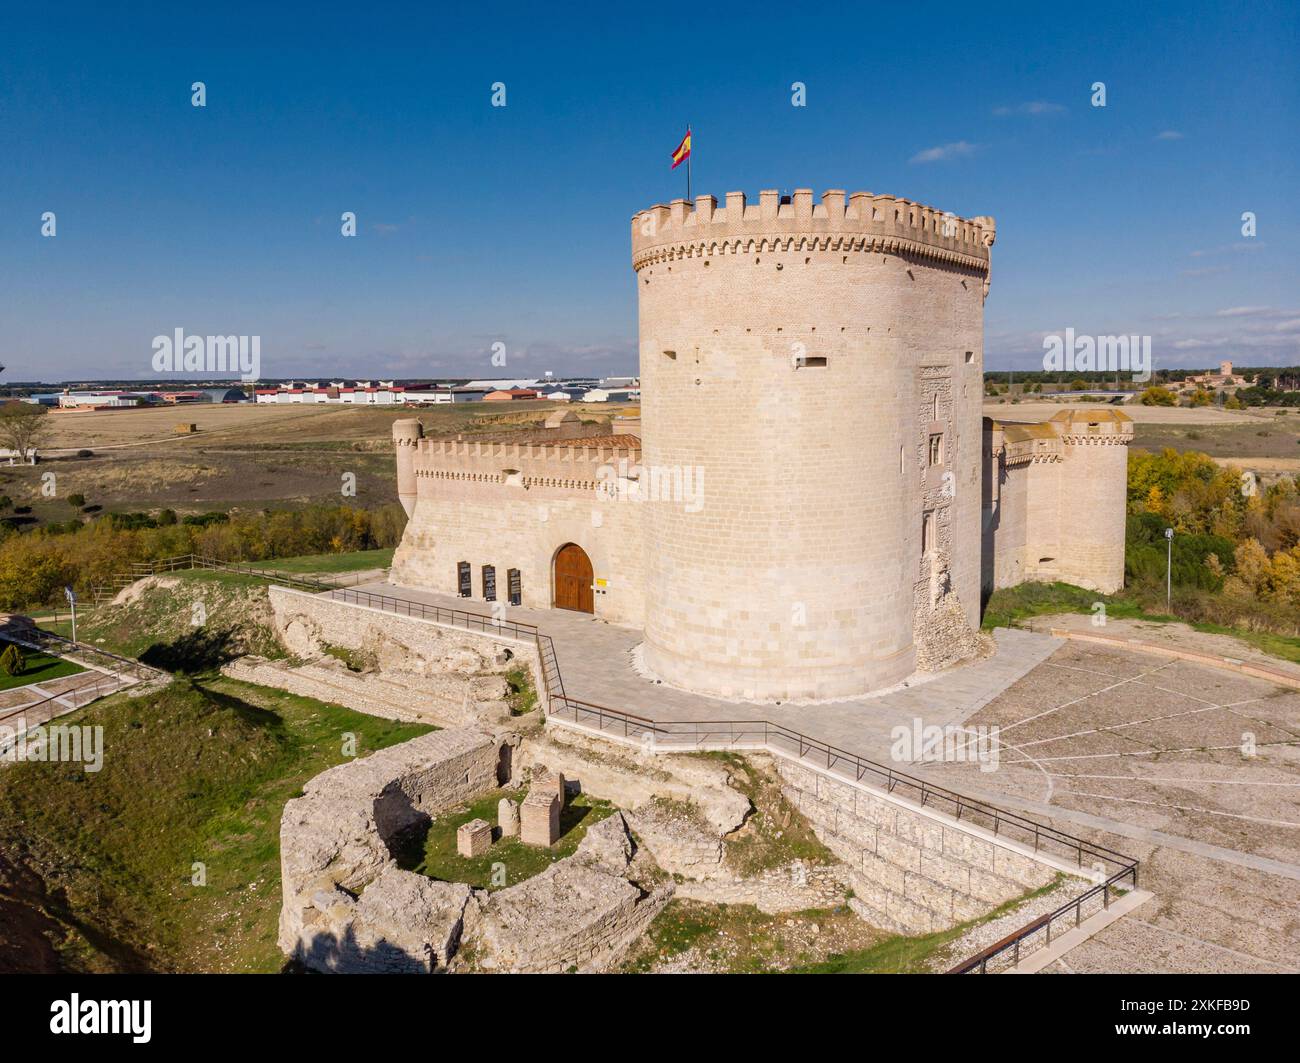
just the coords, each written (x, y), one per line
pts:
(489, 583)
(463, 579)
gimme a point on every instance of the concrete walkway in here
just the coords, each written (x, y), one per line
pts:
(595, 661)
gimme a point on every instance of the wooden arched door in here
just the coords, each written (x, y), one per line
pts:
(573, 579)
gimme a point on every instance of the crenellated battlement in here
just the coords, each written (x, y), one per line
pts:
(861, 221)
(590, 452)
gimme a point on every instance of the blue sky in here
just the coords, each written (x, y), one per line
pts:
(481, 224)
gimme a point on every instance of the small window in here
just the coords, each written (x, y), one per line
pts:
(463, 579)
(673, 354)
(934, 406)
(927, 532)
(936, 449)
(515, 586)
(970, 357)
(811, 361)
(489, 583)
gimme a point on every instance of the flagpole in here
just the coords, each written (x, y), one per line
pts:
(688, 164)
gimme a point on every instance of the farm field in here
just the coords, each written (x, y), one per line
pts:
(241, 456)
(1174, 415)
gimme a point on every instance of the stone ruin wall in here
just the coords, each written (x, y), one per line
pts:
(425, 671)
(346, 904)
(348, 908)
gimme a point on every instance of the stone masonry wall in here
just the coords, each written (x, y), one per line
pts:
(515, 506)
(912, 870)
(793, 351)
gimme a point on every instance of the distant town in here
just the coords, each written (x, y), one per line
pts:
(73, 397)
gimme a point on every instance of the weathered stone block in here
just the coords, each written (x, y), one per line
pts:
(928, 893)
(920, 831)
(474, 838)
(945, 871)
(1020, 868)
(900, 853)
(972, 851)
(539, 818)
(508, 817)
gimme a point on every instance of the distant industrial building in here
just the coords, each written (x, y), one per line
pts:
(511, 395)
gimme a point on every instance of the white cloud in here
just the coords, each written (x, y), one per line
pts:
(1242, 311)
(1169, 134)
(944, 151)
(1033, 107)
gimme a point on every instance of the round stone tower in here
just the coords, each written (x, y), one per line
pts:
(811, 387)
(407, 434)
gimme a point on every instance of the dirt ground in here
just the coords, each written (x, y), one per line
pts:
(1193, 770)
(1142, 415)
(241, 455)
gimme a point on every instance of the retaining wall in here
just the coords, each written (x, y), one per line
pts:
(913, 870)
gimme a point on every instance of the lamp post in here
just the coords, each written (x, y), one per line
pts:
(71, 595)
(1169, 570)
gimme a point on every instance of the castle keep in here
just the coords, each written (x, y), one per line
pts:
(811, 504)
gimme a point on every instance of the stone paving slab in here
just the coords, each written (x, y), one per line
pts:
(596, 663)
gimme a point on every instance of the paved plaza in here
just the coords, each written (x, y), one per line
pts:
(1192, 769)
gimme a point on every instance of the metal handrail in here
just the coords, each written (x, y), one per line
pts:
(1012, 942)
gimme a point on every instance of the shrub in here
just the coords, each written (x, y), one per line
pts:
(1158, 396)
(76, 499)
(12, 661)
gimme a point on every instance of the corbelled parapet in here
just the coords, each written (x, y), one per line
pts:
(1113, 427)
(443, 454)
(407, 434)
(861, 221)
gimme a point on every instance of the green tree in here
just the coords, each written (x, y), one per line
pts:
(12, 661)
(1158, 396)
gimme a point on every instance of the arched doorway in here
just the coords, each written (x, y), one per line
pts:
(573, 579)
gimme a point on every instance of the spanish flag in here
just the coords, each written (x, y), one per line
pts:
(683, 151)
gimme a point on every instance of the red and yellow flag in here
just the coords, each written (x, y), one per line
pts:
(683, 151)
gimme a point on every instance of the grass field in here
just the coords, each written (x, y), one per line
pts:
(40, 667)
(168, 858)
(354, 561)
(509, 861)
(1007, 607)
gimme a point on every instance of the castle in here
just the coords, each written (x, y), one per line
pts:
(812, 502)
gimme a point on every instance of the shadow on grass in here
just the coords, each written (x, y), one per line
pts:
(202, 650)
(245, 710)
